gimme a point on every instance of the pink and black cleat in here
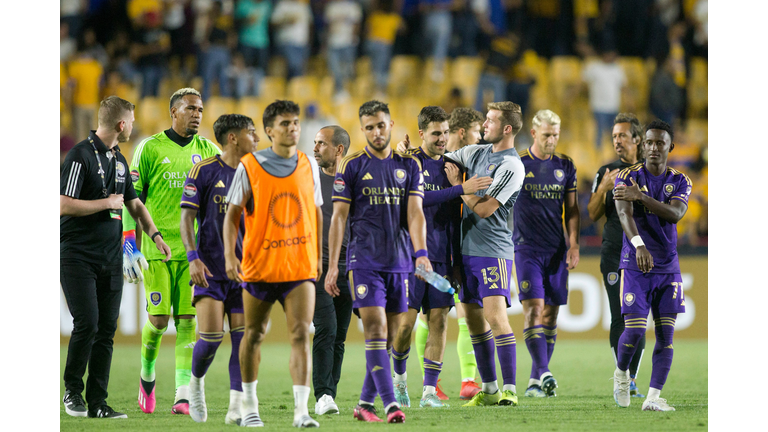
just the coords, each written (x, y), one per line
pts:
(181, 407)
(396, 415)
(147, 396)
(366, 413)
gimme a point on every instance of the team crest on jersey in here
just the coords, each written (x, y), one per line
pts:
(400, 175)
(525, 286)
(613, 277)
(669, 188)
(135, 176)
(629, 299)
(559, 174)
(120, 169)
(489, 169)
(190, 190)
(196, 158)
(362, 291)
(155, 298)
(338, 185)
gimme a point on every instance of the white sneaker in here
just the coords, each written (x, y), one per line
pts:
(251, 420)
(197, 409)
(326, 405)
(658, 404)
(621, 382)
(305, 421)
(233, 417)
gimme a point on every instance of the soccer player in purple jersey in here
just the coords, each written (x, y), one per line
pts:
(381, 192)
(442, 211)
(205, 200)
(650, 199)
(543, 256)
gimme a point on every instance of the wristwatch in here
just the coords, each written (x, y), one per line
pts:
(155, 235)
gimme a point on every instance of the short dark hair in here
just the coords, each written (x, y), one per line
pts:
(279, 107)
(340, 137)
(430, 114)
(462, 118)
(112, 109)
(511, 114)
(180, 93)
(662, 125)
(228, 123)
(371, 107)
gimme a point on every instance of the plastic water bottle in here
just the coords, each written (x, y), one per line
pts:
(435, 280)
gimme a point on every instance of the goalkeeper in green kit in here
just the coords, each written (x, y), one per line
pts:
(158, 169)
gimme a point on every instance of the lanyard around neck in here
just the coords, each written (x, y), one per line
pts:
(101, 170)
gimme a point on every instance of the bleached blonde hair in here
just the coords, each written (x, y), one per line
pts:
(545, 116)
(180, 93)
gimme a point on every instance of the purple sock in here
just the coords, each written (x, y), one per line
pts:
(431, 372)
(399, 360)
(551, 334)
(204, 351)
(634, 329)
(537, 347)
(663, 351)
(506, 350)
(485, 351)
(377, 363)
(235, 379)
(368, 394)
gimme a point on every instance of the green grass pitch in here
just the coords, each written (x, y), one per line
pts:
(582, 368)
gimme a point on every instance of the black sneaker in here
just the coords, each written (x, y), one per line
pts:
(105, 411)
(74, 404)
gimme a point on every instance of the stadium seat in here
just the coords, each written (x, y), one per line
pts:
(272, 87)
(697, 131)
(404, 75)
(215, 106)
(698, 88)
(565, 81)
(638, 85)
(152, 114)
(253, 107)
(303, 89)
(465, 74)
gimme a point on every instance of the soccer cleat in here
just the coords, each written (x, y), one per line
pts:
(621, 388)
(251, 420)
(482, 398)
(305, 421)
(658, 404)
(440, 394)
(147, 396)
(197, 408)
(74, 405)
(395, 415)
(326, 405)
(366, 413)
(549, 384)
(508, 397)
(633, 391)
(535, 391)
(432, 400)
(181, 407)
(233, 417)
(105, 411)
(401, 393)
(468, 390)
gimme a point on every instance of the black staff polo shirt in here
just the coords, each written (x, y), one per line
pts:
(95, 238)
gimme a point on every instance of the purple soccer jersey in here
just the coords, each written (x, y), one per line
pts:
(205, 190)
(377, 191)
(442, 217)
(659, 236)
(538, 214)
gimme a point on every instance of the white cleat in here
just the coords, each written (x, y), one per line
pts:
(658, 404)
(305, 421)
(233, 417)
(621, 382)
(251, 420)
(326, 405)
(197, 408)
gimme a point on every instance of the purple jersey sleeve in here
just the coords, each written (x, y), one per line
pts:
(416, 183)
(190, 197)
(344, 182)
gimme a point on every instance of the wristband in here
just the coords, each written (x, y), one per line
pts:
(421, 253)
(637, 241)
(155, 235)
(192, 255)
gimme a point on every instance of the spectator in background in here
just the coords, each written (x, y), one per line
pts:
(73, 13)
(215, 51)
(241, 78)
(605, 80)
(85, 74)
(94, 48)
(252, 18)
(67, 44)
(503, 52)
(343, 18)
(666, 99)
(149, 50)
(119, 53)
(292, 20)
(700, 18)
(409, 40)
(465, 29)
(437, 23)
(179, 20)
(382, 27)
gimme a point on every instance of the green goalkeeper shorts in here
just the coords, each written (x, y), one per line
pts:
(166, 286)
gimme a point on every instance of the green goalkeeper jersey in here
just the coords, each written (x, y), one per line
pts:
(158, 170)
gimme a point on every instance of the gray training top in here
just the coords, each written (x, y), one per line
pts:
(490, 237)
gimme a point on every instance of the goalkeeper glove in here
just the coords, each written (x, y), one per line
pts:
(133, 259)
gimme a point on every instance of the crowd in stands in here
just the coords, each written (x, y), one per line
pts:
(598, 57)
